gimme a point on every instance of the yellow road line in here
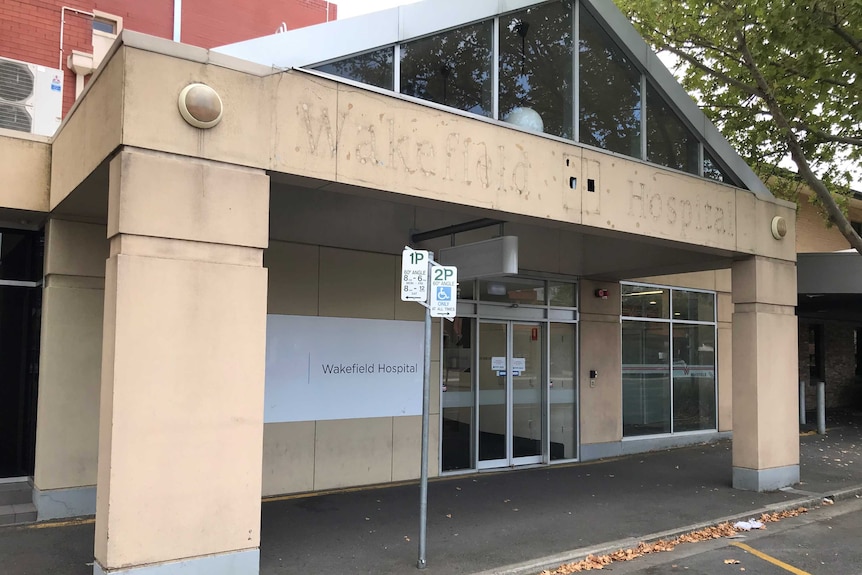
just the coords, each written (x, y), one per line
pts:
(52, 524)
(771, 559)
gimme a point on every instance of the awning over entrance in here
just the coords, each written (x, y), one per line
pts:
(830, 285)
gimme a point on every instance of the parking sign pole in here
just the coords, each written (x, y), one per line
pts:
(426, 407)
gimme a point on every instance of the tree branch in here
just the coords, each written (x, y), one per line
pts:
(704, 68)
(856, 44)
(827, 137)
(835, 26)
(832, 210)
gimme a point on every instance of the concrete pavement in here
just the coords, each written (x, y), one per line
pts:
(510, 522)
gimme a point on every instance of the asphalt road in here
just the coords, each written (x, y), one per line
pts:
(824, 541)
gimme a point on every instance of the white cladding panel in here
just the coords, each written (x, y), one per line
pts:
(322, 368)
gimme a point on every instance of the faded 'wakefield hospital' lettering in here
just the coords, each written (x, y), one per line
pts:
(686, 213)
(456, 158)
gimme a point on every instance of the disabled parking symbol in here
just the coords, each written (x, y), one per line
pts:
(444, 293)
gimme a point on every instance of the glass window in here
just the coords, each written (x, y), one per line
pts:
(514, 291)
(694, 306)
(373, 68)
(21, 255)
(536, 60)
(645, 301)
(452, 68)
(668, 363)
(712, 170)
(104, 25)
(457, 395)
(562, 294)
(610, 92)
(562, 392)
(693, 377)
(646, 378)
(467, 290)
(669, 142)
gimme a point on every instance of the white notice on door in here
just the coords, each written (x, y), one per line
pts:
(498, 364)
(519, 364)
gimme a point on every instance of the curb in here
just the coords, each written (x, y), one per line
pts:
(536, 566)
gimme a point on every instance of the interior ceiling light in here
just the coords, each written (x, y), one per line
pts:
(653, 292)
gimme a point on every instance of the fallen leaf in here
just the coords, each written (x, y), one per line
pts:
(731, 562)
(714, 532)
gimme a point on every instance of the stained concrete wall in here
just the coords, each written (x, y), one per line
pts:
(69, 362)
(25, 171)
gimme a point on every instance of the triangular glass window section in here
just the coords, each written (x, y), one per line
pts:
(372, 68)
(536, 68)
(613, 106)
(712, 170)
(669, 142)
(610, 92)
(452, 68)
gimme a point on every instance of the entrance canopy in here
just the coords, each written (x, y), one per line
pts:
(830, 285)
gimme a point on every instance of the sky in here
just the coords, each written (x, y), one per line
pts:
(350, 8)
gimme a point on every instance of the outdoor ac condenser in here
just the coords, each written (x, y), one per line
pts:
(31, 97)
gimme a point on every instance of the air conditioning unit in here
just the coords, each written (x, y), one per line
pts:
(31, 97)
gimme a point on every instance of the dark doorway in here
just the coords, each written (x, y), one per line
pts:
(20, 320)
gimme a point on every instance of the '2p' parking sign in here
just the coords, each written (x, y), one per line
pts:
(444, 291)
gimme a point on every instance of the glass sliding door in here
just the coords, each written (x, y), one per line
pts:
(493, 399)
(510, 394)
(457, 395)
(527, 380)
(562, 392)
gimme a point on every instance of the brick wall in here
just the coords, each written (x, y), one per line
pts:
(842, 388)
(30, 29)
(812, 235)
(220, 22)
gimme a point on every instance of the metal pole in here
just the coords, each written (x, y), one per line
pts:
(426, 407)
(801, 402)
(821, 407)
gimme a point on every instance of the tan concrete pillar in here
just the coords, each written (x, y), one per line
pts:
(601, 400)
(765, 388)
(181, 421)
(67, 423)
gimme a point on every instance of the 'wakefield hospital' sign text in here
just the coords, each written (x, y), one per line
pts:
(320, 368)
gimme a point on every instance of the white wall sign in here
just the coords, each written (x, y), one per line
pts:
(321, 368)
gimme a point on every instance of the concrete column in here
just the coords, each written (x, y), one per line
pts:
(765, 428)
(67, 432)
(181, 420)
(600, 347)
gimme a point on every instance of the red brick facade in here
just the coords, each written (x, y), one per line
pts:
(30, 29)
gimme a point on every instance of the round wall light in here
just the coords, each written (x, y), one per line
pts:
(779, 227)
(200, 106)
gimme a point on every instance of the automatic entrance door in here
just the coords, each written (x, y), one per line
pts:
(511, 400)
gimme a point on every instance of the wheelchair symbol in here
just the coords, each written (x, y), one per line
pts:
(444, 293)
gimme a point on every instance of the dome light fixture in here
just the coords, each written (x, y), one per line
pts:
(526, 118)
(779, 227)
(200, 106)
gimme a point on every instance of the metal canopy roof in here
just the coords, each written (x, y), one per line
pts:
(342, 38)
(829, 273)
